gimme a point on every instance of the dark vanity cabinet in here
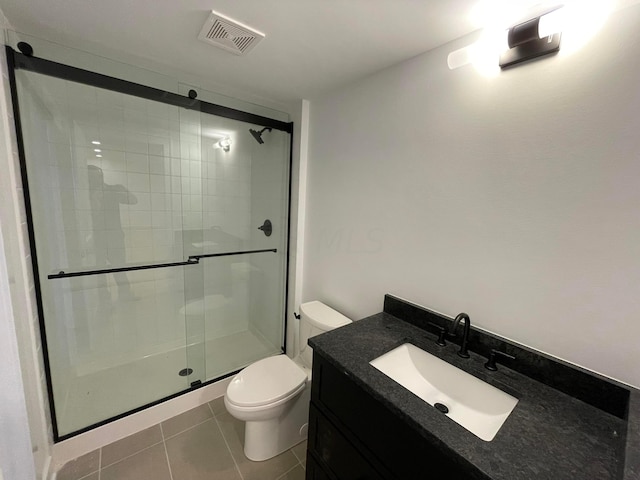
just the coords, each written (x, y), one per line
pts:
(353, 436)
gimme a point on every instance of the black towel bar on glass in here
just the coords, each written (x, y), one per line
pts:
(192, 260)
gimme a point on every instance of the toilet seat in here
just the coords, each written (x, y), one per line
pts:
(266, 382)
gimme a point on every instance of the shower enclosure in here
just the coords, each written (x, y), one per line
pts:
(158, 225)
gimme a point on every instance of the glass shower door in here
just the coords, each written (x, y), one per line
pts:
(104, 176)
(160, 233)
(236, 212)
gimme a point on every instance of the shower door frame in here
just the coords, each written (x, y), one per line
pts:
(19, 61)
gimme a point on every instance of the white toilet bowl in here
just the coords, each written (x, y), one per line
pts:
(272, 395)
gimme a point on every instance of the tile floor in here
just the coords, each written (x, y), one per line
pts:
(203, 443)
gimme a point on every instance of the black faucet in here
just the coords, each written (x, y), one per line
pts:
(491, 362)
(442, 333)
(465, 334)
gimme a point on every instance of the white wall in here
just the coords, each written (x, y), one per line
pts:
(25, 428)
(15, 444)
(513, 198)
(300, 151)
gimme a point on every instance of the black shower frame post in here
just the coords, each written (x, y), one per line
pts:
(288, 257)
(19, 61)
(10, 53)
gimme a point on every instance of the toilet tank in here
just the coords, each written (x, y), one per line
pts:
(316, 318)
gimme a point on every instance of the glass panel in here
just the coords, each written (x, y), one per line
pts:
(244, 183)
(105, 182)
(191, 167)
(242, 187)
(244, 310)
(118, 181)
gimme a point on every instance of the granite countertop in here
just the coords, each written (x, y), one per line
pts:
(549, 434)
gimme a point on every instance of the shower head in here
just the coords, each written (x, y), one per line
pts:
(258, 134)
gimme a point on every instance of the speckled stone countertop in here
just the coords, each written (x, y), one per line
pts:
(549, 435)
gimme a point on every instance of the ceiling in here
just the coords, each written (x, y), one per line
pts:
(311, 45)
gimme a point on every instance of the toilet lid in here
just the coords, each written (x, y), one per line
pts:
(265, 381)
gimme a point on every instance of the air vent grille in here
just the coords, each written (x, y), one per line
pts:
(232, 36)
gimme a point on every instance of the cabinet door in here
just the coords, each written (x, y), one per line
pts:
(314, 471)
(387, 440)
(335, 452)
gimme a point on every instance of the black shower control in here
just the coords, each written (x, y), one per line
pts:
(266, 227)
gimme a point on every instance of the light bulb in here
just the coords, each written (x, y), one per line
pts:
(551, 23)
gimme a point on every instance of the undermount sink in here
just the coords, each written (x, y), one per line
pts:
(475, 405)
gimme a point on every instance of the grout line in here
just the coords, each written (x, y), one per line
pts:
(100, 465)
(166, 453)
(215, 415)
(186, 429)
(288, 471)
(228, 448)
(294, 454)
(129, 456)
(85, 476)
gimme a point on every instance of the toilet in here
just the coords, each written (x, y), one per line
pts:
(272, 395)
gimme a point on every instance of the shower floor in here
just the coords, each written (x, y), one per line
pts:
(106, 393)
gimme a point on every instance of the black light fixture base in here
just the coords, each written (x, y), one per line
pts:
(530, 50)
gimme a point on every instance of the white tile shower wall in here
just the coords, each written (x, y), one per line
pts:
(21, 283)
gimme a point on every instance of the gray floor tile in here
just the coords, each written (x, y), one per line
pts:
(149, 464)
(186, 420)
(80, 467)
(297, 473)
(300, 451)
(217, 406)
(201, 453)
(233, 431)
(129, 445)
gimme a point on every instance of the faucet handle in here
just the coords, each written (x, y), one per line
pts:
(442, 333)
(491, 362)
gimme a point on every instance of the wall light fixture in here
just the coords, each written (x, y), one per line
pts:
(533, 38)
(225, 144)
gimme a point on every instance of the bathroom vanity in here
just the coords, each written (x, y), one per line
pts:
(568, 424)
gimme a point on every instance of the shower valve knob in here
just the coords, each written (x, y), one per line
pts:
(266, 227)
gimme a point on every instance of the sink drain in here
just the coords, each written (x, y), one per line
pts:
(441, 408)
(185, 372)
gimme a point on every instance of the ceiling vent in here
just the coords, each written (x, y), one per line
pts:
(229, 35)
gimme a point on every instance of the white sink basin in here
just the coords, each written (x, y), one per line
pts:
(472, 403)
